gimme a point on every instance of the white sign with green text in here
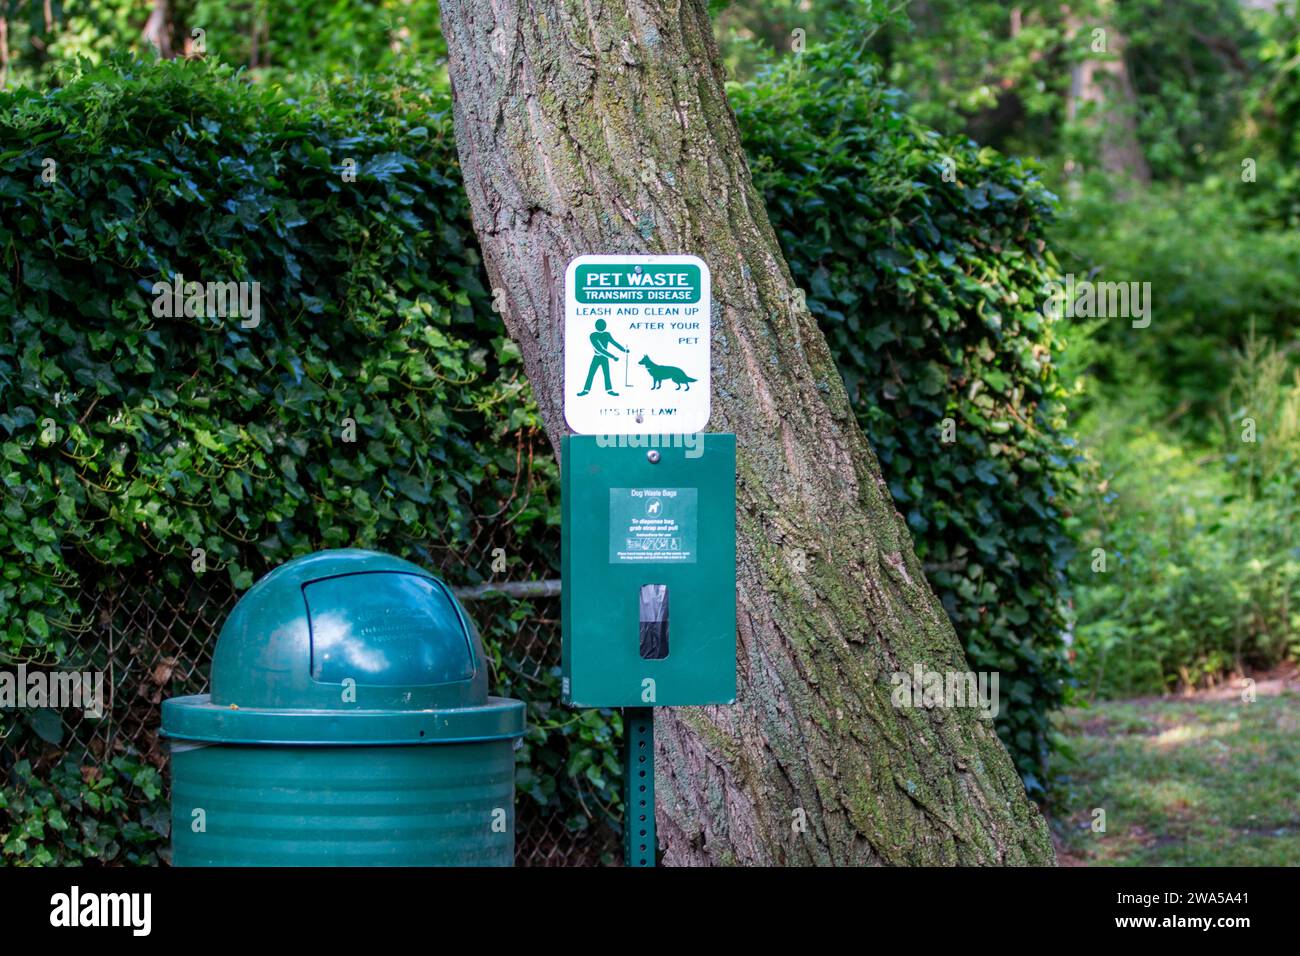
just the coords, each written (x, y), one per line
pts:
(636, 345)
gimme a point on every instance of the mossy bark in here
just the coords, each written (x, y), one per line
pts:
(587, 126)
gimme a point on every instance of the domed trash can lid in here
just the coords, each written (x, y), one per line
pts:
(346, 647)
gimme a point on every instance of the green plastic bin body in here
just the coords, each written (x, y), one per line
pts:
(348, 725)
(344, 806)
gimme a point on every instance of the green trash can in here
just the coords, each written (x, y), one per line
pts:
(349, 724)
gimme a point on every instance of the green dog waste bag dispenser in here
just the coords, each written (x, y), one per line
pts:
(349, 724)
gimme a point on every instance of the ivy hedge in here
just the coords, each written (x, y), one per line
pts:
(375, 401)
(371, 402)
(924, 259)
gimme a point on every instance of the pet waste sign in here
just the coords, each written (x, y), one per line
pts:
(636, 345)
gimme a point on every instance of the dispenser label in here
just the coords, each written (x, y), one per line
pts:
(653, 525)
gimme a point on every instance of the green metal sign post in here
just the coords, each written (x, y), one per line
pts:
(639, 786)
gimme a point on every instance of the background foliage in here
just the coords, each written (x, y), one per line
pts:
(1196, 521)
(1200, 570)
(332, 37)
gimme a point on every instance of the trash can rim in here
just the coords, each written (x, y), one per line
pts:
(196, 718)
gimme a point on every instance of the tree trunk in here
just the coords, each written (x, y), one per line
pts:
(604, 127)
(1102, 81)
(157, 30)
(4, 52)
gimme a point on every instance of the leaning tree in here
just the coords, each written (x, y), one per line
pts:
(604, 127)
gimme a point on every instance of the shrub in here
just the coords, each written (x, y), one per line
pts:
(1192, 570)
(923, 258)
(132, 440)
(133, 435)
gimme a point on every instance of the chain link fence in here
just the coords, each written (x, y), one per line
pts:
(154, 641)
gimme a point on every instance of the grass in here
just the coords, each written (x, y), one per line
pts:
(1211, 780)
